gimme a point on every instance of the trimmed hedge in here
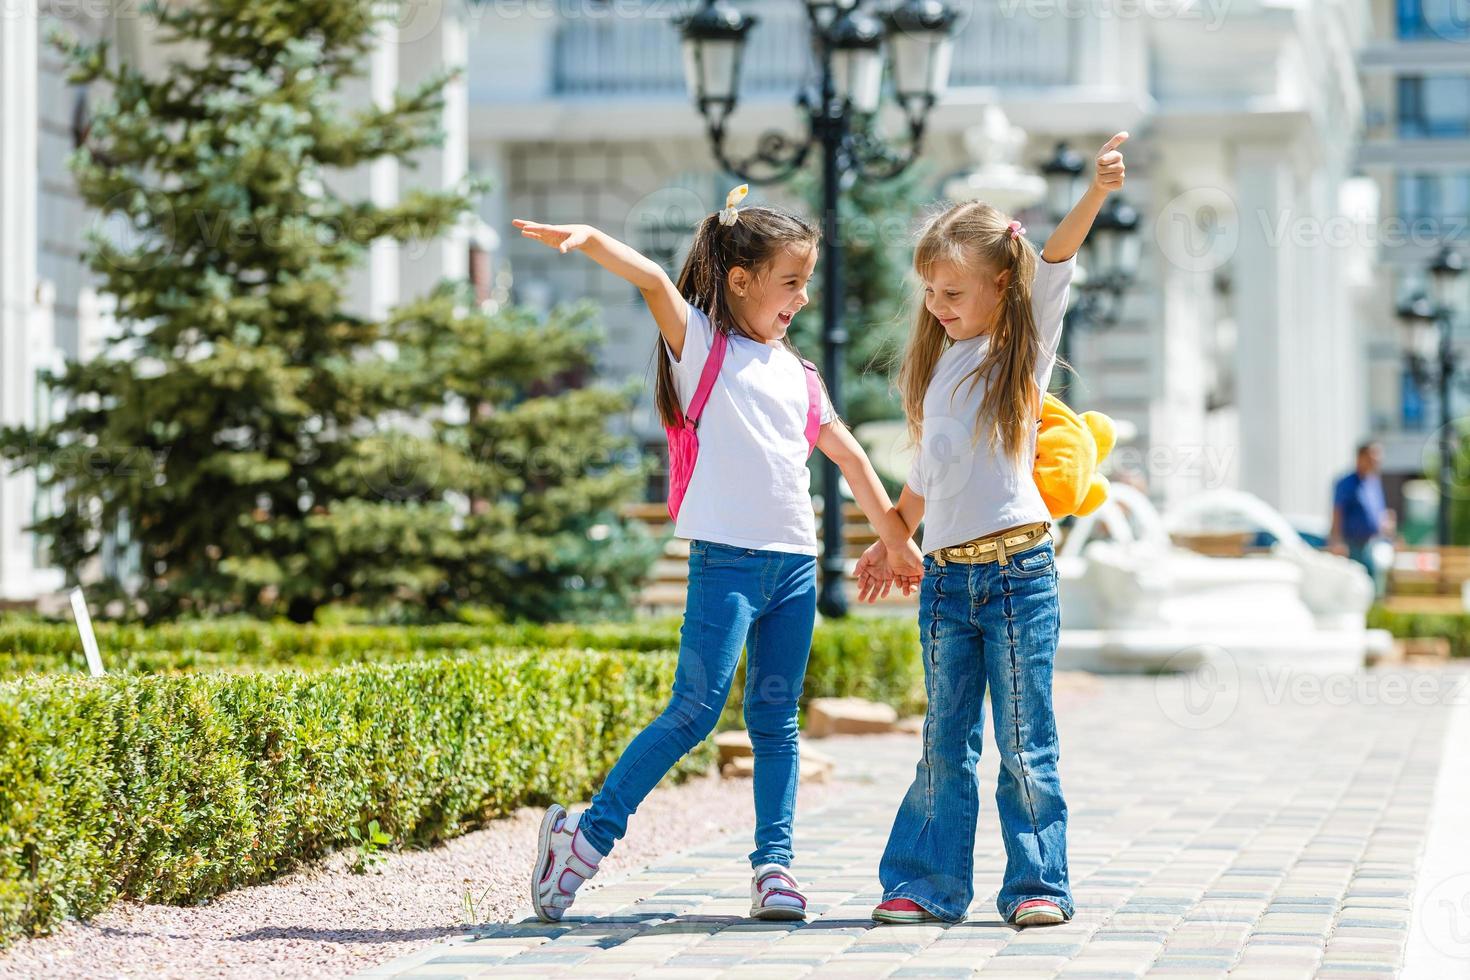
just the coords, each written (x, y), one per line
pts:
(175, 788)
(872, 657)
(1453, 626)
(29, 646)
(876, 658)
(201, 772)
(20, 665)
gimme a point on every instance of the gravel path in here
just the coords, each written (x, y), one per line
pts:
(325, 921)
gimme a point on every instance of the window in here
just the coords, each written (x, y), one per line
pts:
(1411, 403)
(1434, 106)
(1429, 20)
(1435, 196)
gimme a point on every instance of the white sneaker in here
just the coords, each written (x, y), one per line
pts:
(564, 860)
(774, 894)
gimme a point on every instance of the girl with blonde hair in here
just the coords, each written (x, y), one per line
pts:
(974, 372)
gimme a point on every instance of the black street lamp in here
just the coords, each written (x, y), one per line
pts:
(1114, 246)
(1428, 321)
(1110, 254)
(1063, 175)
(848, 45)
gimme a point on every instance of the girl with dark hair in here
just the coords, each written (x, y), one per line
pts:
(725, 363)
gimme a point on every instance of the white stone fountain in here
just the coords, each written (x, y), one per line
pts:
(1134, 601)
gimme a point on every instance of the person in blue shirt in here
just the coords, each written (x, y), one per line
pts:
(1359, 514)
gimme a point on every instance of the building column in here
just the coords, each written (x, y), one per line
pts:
(1181, 310)
(372, 288)
(431, 40)
(19, 37)
(1181, 466)
(1330, 394)
(1267, 318)
(1301, 401)
(383, 180)
(494, 212)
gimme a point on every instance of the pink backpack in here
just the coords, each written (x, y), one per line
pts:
(684, 439)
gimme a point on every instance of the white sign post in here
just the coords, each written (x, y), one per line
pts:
(84, 626)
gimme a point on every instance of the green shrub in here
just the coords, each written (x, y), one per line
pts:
(1453, 626)
(27, 646)
(871, 657)
(875, 658)
(199, 771)
(175, 788)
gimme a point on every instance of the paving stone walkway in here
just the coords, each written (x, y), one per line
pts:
(1250, 825)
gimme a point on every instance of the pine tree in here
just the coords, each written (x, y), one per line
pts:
(247, 431)
(541, 535)
(1459, 483)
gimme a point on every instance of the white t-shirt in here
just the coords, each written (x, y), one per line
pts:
(751, 487)
(968, 490)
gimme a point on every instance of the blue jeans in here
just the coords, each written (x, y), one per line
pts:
(998, 625)
(765, 601)
(1360, 551)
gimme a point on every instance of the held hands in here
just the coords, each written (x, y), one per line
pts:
(1109, 176)
(563, 238)
(876, 574)
(905, 560)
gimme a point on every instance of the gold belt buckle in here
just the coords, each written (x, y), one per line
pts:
(977, 551)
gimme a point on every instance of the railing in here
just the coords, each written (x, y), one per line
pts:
(641, 55)
(624, 54)
(1003, 46)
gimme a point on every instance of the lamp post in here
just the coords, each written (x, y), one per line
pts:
(1109, 256)
(848, 45)
(1063, 175)
(1428, 321)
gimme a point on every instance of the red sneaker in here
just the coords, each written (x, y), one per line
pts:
(1038, 912)
(900, 911)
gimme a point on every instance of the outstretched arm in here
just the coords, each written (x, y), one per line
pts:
(1069, 235)
(664, 302)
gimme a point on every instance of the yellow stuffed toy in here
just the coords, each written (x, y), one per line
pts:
(1069, 449)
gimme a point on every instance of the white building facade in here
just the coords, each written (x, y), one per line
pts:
(1239, 352)
(1416, 148)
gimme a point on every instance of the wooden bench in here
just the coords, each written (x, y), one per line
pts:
(1439, 571)
(1231, 545)
(1435, 604)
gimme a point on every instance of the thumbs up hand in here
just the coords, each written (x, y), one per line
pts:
(1109, 176)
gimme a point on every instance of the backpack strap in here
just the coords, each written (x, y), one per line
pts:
(813, 405)
(707, 378)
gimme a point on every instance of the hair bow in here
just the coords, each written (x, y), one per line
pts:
(731, 212)
(1016, 229)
